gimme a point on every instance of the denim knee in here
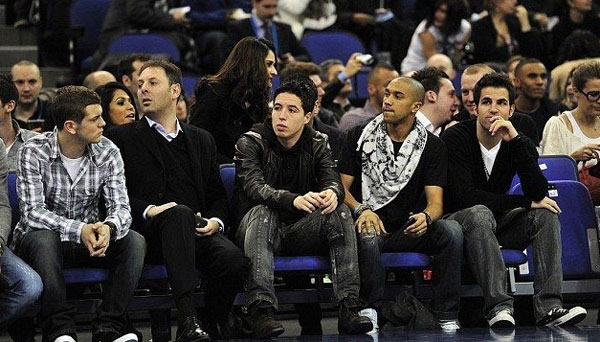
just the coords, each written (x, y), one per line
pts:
(545, 219)
(478, 219)
(38, 242)
(451, 232)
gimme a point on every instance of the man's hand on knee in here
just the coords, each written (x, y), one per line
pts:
(308, 202)
(330, 201)
(368, 222)
(157, 209)
(547, 203)
(89, 237)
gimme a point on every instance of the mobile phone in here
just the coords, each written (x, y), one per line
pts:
(201, 222)
(408, 223)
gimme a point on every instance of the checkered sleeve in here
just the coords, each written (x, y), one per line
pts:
(115, 194)
(30, 188)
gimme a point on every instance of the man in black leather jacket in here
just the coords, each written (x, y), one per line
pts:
(291, 201)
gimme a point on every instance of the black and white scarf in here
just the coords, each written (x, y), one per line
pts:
(384, 175)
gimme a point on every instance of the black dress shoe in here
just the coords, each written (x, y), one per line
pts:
(190, 331)
(263, 323)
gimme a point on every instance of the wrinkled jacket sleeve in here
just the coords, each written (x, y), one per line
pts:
(325, 169)
(248, 152)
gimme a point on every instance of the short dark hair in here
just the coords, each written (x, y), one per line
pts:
(523, 62)
(70, 103)
(8, 90)
(173, 72)
(430, 78)
(585, 72)
(303, 87)
(326, 65)
(299, 68)
(494, 80)
(379, 66)
(126, 64)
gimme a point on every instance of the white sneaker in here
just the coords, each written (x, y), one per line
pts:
(64, 338)
(371, 314)
(130, 337)
(449, 325)
(502, 319)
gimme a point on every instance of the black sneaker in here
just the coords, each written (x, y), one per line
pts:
(349, 321)
(114, 337)
(560, 316)
(262, 322)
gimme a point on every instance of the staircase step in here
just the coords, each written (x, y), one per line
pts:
(17, 36)
(10, 55)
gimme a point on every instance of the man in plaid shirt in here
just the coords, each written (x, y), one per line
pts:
(61, 177)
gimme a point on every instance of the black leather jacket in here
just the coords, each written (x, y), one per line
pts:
(260, 161)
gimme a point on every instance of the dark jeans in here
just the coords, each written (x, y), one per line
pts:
(48, 256)
(517, 229)
(262, 234)
(444, 240)
(171, 239)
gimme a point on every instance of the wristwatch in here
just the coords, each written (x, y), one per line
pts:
(113, 228)
(427, 219)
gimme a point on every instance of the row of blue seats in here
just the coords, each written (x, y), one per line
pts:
(306, 264)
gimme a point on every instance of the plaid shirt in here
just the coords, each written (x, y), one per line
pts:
(50, 200)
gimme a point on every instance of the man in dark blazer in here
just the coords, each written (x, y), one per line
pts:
(178, 201)
(261, 25)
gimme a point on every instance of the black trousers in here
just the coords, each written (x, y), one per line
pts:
(171, 240)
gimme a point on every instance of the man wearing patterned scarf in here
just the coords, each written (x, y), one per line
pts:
(386, 167)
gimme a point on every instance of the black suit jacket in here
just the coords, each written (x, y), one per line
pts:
(145, 171)
(286, 39)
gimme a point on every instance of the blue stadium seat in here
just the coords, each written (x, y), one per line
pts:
(90, 15)
(326, 45)
(13, 198)
(359, 84)
(579, 232)
(189, 85)
(153, 44)
(554, 168)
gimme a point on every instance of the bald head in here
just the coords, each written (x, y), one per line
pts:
(28, 80)
(470, 77)
(443, 63)
(98, 78)
(416, 89)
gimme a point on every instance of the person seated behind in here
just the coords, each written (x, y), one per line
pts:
(10, 132)
(576, 132)
(27, 78)
(440, 101)
(129, 71)
(230, 102)
(61, 176)
(261, 25)
(334, 72)
(483, 157)
(97, 78)
(118, 104)
(289, 197)
(178, 202)
(379, 77)
(386, 166)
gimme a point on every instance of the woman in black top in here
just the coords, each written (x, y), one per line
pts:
(505, 32)
(230, 102)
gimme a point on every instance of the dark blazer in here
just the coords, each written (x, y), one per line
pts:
(287, 41)
(145, 170)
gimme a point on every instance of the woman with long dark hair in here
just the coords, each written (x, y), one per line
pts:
(231, 101)
(445, 30)
(118, 104)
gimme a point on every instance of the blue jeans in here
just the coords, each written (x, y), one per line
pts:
(516, 229)
(262, 234)
(25, 287)
(443, 240)
(46, 254)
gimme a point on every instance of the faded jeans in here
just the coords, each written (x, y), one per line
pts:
(444, 240)
(262, 235)
(25, 287)
(516, 229)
